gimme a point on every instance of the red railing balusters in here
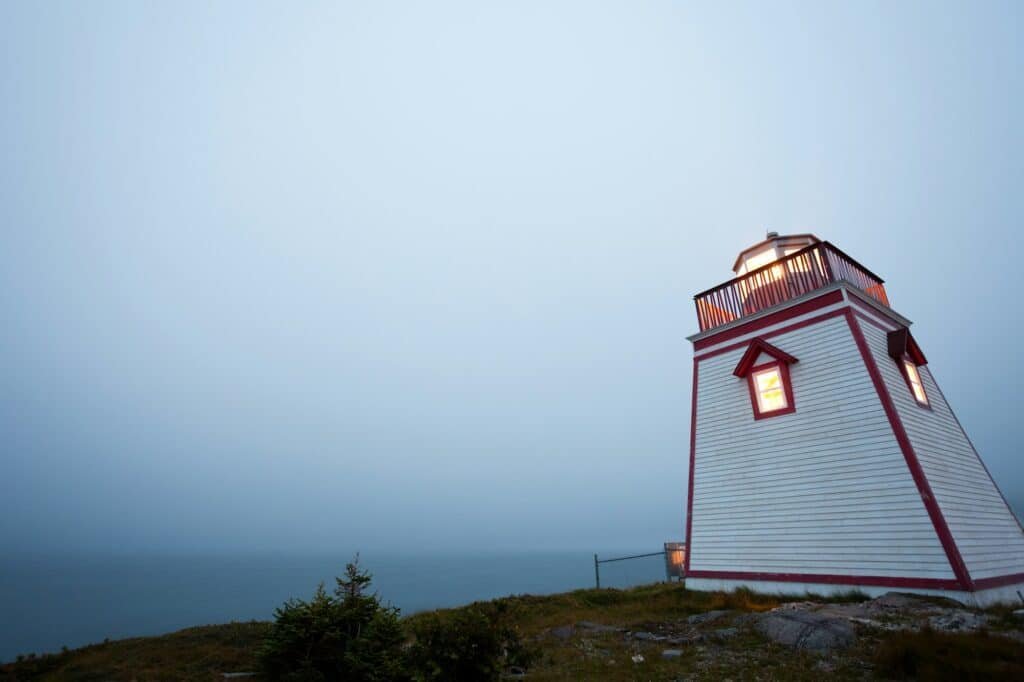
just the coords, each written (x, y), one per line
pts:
(785, 279)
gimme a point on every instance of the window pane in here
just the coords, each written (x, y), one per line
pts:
(916, 385)
(915, 378)
(773, 399)
(768, 379)
(770, 392)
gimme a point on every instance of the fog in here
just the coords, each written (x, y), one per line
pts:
(295, 276)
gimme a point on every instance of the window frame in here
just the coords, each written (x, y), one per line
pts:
(901, 362)
(787, 389)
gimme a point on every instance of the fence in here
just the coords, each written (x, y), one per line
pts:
(674, 554)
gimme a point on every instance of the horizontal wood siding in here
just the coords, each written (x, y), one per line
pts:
(987, 535)
(824, 490)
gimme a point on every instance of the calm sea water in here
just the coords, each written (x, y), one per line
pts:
(50, 602)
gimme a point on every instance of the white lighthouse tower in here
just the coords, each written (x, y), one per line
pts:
(823, 456)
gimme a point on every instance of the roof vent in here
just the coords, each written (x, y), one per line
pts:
(771, 235)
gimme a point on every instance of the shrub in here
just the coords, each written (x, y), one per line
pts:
(347, 635)
(472, 643)
(930, 655)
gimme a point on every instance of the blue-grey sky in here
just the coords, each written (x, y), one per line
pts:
(310, 275)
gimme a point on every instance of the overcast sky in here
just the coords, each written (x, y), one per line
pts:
(319, 275)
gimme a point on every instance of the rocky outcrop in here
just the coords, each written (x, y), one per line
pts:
(806, 630)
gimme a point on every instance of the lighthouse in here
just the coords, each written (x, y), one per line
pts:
(823, 454)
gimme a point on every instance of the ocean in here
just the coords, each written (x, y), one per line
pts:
(54, 601)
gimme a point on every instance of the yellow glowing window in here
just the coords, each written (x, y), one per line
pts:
(769, 390)
(914, 379)
(759, 259)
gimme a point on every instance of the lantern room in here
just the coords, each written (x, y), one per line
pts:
(780, 269)
(770, 250)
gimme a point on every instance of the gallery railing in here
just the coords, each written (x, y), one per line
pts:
(789, 277)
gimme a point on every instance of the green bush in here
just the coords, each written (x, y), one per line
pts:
(930, 655)
(347, 635)
(473, 643)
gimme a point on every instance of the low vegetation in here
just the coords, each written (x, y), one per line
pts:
(930, 655)
(586, 634)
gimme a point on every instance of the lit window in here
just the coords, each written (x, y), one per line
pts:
(769, 390)
(913, 378)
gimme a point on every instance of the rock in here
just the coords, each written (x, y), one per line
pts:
(563, 631)
(647, 637)
(638, 658)
(724, 633)
(597, 627)
(905, 601)
(797, 606)
(896, 601)
(806, 630)
(676, 640)
(671, 653)
(701, 618)
(958, 621)
(745, 619)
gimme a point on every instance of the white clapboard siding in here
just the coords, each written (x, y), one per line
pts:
(823, 490)
(986, 533)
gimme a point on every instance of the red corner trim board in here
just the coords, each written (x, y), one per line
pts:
(693, 470)
(938, 520)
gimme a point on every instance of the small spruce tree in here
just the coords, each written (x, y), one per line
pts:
(347, 635)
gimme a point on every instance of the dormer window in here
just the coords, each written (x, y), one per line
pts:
(908, 356)
(766, 369)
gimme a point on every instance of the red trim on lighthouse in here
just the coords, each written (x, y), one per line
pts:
(831, 579)
(998, 581)
(956, 561)
(693, 471)
(756, 347)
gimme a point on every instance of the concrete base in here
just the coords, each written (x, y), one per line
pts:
(982, 598)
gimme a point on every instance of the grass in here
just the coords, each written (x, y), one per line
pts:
(198, 653)
(929, 655)
(203, 653)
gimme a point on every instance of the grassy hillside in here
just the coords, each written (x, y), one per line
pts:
(570, 646)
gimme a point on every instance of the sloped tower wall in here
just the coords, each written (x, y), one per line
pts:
(860, 487)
